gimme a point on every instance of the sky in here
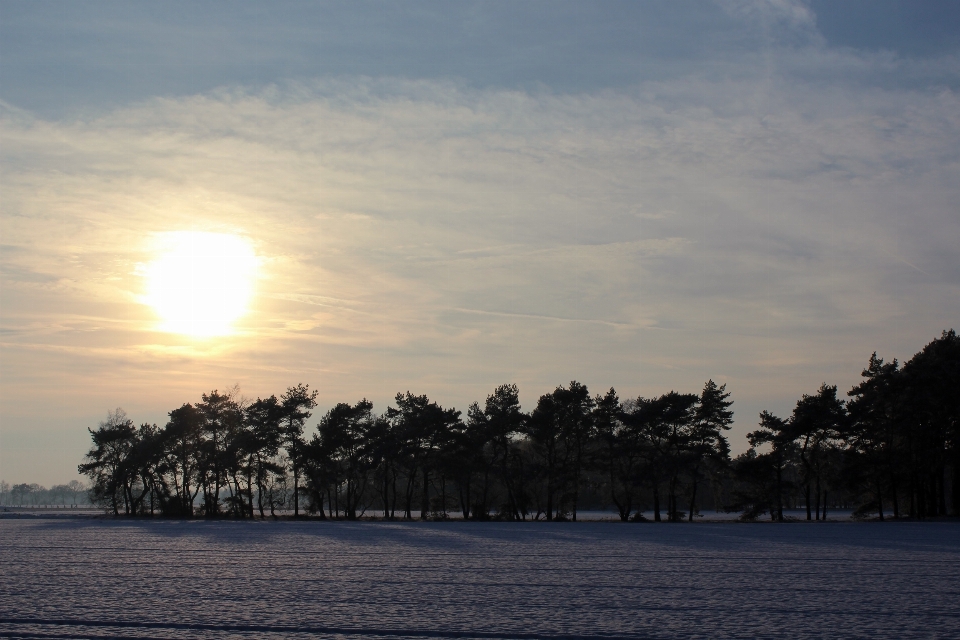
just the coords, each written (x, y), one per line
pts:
(445, 197)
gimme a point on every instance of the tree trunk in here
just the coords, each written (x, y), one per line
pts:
(955, 485)
(443, 496)
(818, 497)
(576, 488)
(425, 497)
(260, 489)
(250, 487)
(383, 489)
(465, 501)
(779, 493)
(656, 503)
(693, 500)
(672, 499)
(505, 473)
(921, 498)
(941, 491)
(215, 507)
(549, 495)
(879, 500)
(393, 503)
(296, 491)
(411, 482)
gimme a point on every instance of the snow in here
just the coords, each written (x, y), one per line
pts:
(92, 577)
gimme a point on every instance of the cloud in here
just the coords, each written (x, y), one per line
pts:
(791, 15)
(768, 230)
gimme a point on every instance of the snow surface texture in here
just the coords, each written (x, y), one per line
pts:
(96, 578)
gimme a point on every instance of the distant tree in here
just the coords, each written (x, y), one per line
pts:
(77, 489)
(19, 493)
(56, 494)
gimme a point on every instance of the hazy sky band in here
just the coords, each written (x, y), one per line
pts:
(448, 197)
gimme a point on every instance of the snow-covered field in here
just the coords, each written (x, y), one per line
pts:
(105, 578)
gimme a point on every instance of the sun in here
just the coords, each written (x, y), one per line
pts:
(200, 283)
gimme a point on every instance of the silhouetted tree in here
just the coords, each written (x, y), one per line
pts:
(895, 441)
(263, 421)
(345, 446)
(466, 462)
(545, 431)
(423, 428)
(872, 436)
(618, 454)
(497, 427)
(930, 406)
(182, 441)
(817, 421)
(19, 494)
(663, 426)
(576, 423)
(107, 465)
(708, 447)
(221, 417)
(297, 403)
(646, 427)
(385, 453)
(762, 475)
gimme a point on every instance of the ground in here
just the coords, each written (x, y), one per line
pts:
(111, 578)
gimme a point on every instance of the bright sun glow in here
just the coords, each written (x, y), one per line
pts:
(201, 283)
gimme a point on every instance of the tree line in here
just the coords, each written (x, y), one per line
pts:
(893, 444)
(23, 494)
